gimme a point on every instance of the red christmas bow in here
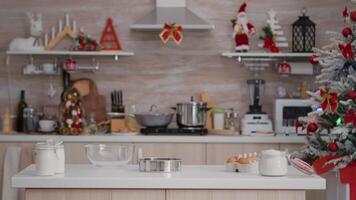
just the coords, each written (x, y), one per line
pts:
(350, 117)
(268, 43)
(171, 31)
(346, 51)
(329, 100)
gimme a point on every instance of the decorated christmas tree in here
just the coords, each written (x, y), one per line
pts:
(273, 34)
(334, 112)
(72, 115)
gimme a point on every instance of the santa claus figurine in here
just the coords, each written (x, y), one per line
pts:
(242, 30)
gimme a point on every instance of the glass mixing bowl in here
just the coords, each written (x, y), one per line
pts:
(109, 154)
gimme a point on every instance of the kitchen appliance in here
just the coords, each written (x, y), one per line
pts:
(192, 114)
(273, 163)
(154, 118)
(174, 131)
(109, 155)
(255, 120)
(30, 118)
(287, 111)
(160, 164)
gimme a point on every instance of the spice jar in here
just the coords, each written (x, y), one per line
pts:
(218, 118)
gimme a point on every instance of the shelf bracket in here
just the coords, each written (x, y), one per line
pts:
(7, 59)
(116, 57)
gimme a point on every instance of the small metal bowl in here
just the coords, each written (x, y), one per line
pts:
(153, 164)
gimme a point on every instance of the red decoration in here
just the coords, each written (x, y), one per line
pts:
(351, 95)
(320, 166)
(348, 176)
(353, 15)
(312, 127)
(284, 68)
(86, 43)
(345, 13)
(70, 64)
(329, 101)
(243, 29)
(346, 32)
(350, 117)
(173, 31)
(313, 59)
(333, 147)
(346, 51)
(109, 39)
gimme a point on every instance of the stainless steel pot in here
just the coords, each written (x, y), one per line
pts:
(160, 164)
(192, 114)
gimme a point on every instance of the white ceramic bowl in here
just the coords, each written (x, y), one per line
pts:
(109, 155)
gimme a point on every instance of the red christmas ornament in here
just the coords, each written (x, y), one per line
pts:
(333, 147)
(313, 59)
(330, 100)
(346, 32)
(351, 95)
(284, 68)
(173, 31)
(109, 39)
(350, 117)
(353, 15)
(312, 127)
(274, 49)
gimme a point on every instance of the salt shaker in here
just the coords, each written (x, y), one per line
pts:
(45, 159)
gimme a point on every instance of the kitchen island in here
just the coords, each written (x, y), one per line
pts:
(195, 182)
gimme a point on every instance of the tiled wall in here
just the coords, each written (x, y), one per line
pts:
(159, 74)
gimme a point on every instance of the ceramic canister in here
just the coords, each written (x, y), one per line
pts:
(45, 159)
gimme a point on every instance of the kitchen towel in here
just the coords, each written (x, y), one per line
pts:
(11, 167)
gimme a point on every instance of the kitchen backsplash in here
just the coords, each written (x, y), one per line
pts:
(158, 73)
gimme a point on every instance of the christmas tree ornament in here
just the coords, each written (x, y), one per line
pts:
(350, 117)
(347, 51)
(243, 29)
(70, 65)
(351, 95)
(333, 147)
(284, 68)
(173, 31)
(313, 59)
(345, 13)
(109, 39)
(273, 38)
(353, 15)
(303, 34)
(330, 100)
(346, 32)
(312, 127)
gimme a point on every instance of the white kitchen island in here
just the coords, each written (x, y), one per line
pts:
(198, 182)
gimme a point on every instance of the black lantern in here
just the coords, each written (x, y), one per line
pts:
(303, 34)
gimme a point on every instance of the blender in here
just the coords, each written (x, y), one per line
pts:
(255, 120)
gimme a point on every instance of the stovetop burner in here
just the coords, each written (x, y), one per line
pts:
(174, 131)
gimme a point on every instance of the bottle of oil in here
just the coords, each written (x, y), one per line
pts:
(19, 117)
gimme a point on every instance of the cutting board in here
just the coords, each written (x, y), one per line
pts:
(92, 101)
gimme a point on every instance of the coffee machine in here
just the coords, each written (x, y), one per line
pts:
(255, 120)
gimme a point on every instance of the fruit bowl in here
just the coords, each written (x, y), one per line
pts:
(109, 155)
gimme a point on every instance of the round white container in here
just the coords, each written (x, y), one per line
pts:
(45, 159)
(218, 119)
(273, 163)
(59, 159)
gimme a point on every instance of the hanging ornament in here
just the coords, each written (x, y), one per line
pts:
(313, 59)
(350, 117)
(353, 15)
(346, 51)
(329, 101)
(284, 68)
(173, 31)
(70, 65)
(312, 127)
(345, 13)
(351, 95)
(333, 147)
(346, 32)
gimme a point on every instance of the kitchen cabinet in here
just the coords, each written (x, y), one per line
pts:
(235, 195)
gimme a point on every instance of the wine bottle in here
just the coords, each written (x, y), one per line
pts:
(20, 108)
